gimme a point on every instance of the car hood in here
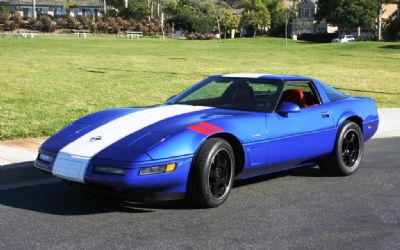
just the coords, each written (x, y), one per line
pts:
(129, 130)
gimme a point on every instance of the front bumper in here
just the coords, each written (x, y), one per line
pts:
(162, 186)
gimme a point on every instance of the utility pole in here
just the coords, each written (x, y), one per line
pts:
(380, 20)
(105, 7)
(290, 10)
(162, 25)
(34, 9)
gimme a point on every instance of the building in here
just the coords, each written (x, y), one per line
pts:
(55, 8)
(389, 10)
(305, 21)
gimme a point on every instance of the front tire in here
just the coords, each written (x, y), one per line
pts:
(348, 152)
(212, 173)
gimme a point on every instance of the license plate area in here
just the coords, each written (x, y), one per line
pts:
(70, 167)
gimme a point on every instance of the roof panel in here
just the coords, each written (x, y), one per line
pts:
(267, 77)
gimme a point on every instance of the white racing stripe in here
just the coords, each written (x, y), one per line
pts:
(72, 160)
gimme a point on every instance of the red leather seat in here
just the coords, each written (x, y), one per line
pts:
(244, 95)
(294, 96)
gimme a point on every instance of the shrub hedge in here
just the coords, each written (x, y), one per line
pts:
(318, 37)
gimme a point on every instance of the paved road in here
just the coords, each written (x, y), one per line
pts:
(299, 209)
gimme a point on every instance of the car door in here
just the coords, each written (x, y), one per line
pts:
(294, 138)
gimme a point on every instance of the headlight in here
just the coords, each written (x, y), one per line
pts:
(158, 169)
(108, 170)
(46, 158)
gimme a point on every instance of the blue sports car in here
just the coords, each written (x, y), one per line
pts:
(223, 128)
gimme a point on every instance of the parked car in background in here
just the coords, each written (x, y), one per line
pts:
(344, 39)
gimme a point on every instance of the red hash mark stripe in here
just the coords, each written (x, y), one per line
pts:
(200, 130)
(205, 128)
(210, 126)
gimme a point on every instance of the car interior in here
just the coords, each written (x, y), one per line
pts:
(254, 96)
(300, 93)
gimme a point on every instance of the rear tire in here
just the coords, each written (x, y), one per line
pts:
(348, 152)
(211, 175)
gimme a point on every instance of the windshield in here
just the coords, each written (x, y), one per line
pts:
(233, 93)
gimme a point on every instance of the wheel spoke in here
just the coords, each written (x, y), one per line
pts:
(213, 174)
(222, 188)
(216, 160)
(214, 188)
(350, 148)
(220, 174)
(352, 138)
(346, 159)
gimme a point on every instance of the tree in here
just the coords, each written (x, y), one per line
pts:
(277, 12)
(182, 16)
(289, 14)
(380, 13)
(392, 29)
(255, 15)
(136, 9)
(347, 14)
(67, 6)
(229, 22)
(219, 10)
(202, 16)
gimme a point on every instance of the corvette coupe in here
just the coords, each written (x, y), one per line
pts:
(224, 128)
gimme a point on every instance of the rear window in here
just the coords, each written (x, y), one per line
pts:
(332, 93)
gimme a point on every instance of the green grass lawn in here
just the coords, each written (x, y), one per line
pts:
(48, 82)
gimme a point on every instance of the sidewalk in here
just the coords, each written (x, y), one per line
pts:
(389, 123)
(25, 150)
(18, 151)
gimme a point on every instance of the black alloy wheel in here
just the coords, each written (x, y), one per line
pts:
(348, 151)
(211, 174)
(220, 173)
(351, 148)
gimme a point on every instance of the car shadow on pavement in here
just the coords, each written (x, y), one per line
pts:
(61, 199)
(300, 172)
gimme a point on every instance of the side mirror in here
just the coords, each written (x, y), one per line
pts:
(288, 107)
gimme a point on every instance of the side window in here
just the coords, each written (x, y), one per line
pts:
(301, 93)
(263, 88)
(266, 94)
(332, 93)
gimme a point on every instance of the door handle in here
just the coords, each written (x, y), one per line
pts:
(325, 114)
